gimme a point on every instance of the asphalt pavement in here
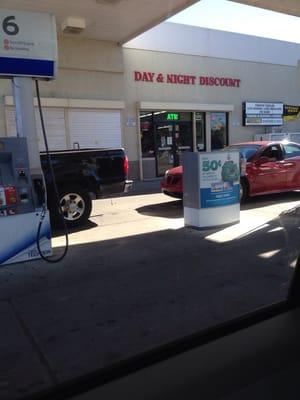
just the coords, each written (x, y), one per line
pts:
(135, 278)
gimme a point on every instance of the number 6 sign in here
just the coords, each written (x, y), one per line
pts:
(28, 44)
(9, 27)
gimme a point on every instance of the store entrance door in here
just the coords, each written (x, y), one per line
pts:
(172, 140)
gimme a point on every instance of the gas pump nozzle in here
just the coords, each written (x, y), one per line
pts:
(39, 190)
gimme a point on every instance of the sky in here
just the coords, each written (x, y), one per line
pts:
(233, 17)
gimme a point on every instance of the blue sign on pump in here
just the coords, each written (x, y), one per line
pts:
(28, 44)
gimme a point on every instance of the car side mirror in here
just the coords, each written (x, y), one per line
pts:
(262, 160)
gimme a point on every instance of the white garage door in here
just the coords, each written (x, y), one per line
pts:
(95, 128)
(54, 119)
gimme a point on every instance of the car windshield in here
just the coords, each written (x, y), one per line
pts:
(247, 151)
(152, 259)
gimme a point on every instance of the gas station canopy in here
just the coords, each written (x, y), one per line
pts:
(109, 20)
(121, 20)
(291, 7)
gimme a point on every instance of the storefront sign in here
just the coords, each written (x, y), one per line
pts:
(185, 79)
(219, 179)
(290, 113)
(219, 81)
(173, 117)
(255, 113)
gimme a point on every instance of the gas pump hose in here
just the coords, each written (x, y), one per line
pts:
(44, 210)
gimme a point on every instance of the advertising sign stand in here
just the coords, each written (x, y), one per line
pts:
(211, 189)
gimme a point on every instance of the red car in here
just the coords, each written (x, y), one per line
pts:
(271, 167)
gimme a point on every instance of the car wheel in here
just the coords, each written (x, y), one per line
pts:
(76, 206)
(244, 191)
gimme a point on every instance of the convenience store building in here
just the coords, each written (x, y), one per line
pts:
(173, 89)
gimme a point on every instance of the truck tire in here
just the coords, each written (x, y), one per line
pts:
(76, 205)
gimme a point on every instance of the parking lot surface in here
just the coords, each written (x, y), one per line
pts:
(136, 278)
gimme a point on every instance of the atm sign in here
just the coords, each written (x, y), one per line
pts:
(172, 116)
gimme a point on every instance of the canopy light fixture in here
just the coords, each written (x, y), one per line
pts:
(108, 2)
(73, 25)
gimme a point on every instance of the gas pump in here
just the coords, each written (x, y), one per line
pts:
(22, 196)
(28, 52)
(20, 193)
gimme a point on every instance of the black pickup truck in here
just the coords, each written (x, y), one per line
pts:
(81, 176)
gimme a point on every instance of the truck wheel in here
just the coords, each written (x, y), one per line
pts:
(76, 206)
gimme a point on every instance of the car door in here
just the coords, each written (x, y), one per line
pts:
(269, 171)
(291, 154)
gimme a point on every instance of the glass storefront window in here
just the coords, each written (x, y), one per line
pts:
(200, 131)
(165, 136)
(219, 130)
(173, 137)
(147, 136)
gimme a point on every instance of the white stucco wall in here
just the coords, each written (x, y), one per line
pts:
(258, 82)
(88, 69)
(191, 40)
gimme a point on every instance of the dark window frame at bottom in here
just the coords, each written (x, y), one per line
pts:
(130, 366)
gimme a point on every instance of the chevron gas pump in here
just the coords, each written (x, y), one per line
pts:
(28, 52)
